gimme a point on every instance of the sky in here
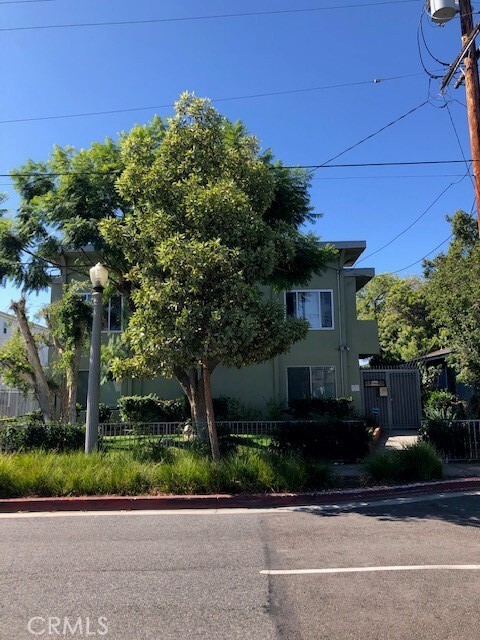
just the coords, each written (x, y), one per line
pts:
(293, 46)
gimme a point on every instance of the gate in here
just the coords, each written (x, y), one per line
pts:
(395, 393)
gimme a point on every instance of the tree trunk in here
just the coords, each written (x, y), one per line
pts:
(72, 380)
(193, 387)
(41, 387)
(212, 427)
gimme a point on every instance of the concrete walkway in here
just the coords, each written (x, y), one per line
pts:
(450, 470)
(398, 439)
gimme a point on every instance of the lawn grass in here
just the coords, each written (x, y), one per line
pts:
(42, 473)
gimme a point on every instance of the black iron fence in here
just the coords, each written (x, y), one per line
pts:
(455, 440)
(125, 435)
(330, 439)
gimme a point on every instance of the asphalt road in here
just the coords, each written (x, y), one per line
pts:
(191, 575)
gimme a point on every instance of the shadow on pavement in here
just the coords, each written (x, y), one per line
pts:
(459, 510)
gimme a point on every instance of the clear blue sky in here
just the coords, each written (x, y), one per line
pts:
(67, 71)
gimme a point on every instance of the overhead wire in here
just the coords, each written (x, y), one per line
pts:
(44, 174)
(231, 98)
(414, 222)
(114, 23)
(434, 249)
(452, 122)
(423, 257)
(23, 1)
(424, 40)
(370, 136)
(431, 75)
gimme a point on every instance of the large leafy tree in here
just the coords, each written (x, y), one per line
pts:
(62, 201)
(68, 326)
(211, 220)
(402, 309)
(69, 321)
(454, 296)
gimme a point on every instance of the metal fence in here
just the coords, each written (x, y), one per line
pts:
(259, 434)
(456, 440)
(14, 403)
(124, 435)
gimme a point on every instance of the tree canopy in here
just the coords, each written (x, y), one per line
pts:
(192, 219)
(211, 221)
(453, 293)
(401, 308)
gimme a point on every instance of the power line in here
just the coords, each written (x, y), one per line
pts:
(403, 177)
(455, 131)
(423, 257)
(425, 176)
(242, 97)
(424, 40)
(203, 17)
(434, 248)
(372, 135)
(41, 174)
(376, 164)
(414, 222)
(23, 1)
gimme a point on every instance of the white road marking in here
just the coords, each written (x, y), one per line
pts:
(413, 567)
(338, 507)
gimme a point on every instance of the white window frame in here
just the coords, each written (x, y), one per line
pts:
(319, 291)
(310, 367)
(87, 296)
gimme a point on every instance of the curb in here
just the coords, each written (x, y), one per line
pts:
(226, 501)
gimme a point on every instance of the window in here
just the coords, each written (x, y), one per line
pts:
(310, 382)
(5, 327)
(314, 306)
(112, 312)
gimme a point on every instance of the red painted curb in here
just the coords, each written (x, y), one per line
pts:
(129, 503)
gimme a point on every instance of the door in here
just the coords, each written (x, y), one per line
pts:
(396, 394)
(405, 399)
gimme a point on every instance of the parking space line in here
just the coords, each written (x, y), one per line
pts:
(413, 567)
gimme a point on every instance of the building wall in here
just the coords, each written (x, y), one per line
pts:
(8, 324)
(339, 347)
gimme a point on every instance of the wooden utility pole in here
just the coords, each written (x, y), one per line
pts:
(472, 90)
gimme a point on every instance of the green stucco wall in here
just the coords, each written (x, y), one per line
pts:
(258, 385)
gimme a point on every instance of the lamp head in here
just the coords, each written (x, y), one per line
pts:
(99, 276)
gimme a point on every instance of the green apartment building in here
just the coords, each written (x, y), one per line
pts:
(326, 363)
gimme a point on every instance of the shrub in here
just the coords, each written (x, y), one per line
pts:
(417, 462)
(226, 442)
(309, 408)
(104, 413)
(52, 436)
(443, 405)
(150, 409)
(329, 439)
(451, 439)
(226, 408)
(152, 450)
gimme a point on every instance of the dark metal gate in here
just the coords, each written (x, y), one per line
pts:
(394, 395)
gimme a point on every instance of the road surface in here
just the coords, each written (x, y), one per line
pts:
(398, 570)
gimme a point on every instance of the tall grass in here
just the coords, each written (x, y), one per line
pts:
(417, 462)
(41, 473)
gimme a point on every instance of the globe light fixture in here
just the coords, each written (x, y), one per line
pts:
(99, 276)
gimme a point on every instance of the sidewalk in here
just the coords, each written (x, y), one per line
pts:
(349, 475)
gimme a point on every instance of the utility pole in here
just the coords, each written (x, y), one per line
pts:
(472, 91)
(469, 56)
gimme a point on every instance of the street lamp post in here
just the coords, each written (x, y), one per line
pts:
(99, 278)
